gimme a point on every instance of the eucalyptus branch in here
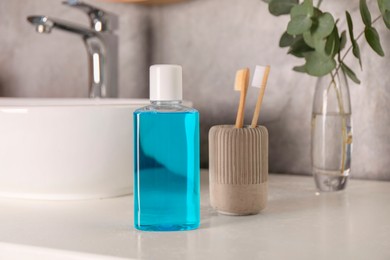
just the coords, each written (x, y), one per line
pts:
(350, 47)
(313, 35)
(358, 37)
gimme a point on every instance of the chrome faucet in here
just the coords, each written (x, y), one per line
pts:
(100, 41)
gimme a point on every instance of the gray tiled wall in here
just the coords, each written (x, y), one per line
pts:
(211, 39)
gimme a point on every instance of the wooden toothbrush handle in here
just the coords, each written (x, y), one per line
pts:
(258, 107)
(241, 106)
(256, 114)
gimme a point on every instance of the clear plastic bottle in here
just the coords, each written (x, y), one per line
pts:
(166, 157)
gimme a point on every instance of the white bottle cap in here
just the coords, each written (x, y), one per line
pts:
(165, 82)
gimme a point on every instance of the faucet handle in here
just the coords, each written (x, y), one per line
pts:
(100, 20)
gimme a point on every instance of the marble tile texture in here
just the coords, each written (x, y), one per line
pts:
(211, 39)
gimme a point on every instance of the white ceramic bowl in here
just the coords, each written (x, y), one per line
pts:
(64, 149)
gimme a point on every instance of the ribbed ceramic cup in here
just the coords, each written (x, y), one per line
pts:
(238, 165)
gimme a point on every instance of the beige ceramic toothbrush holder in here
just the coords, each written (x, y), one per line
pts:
(238, 164)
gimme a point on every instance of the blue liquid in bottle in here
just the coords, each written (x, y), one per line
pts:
(166, 167)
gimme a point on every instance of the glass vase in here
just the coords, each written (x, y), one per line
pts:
(331, 144)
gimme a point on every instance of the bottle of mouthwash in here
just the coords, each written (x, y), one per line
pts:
(166, 157)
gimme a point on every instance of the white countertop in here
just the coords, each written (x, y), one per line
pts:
(298, 223)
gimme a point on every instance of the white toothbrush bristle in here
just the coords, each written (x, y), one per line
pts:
(258, 76)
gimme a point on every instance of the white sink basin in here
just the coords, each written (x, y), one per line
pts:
(64, 149)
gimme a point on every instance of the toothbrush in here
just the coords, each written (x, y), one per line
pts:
(259, 80)
(241, 84)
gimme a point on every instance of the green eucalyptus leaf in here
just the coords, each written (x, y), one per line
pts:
(308, 38)
(280, 7)
(325, 26)
(330, 44)
(319, 64)
(343, 39)
(299, 24)
(301, 18)
(384, 5)
(350, 26)
(319, 45)
(355, 46)
(301, 69)
(356, 53)
(298, 48)
(316, 37)
(386, 18)
(348, 71)
(286, 40)
(365, 12)
(373, 40)
(306, 8)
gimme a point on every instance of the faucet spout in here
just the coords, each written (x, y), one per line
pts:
(102, 49)
(44, 24)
